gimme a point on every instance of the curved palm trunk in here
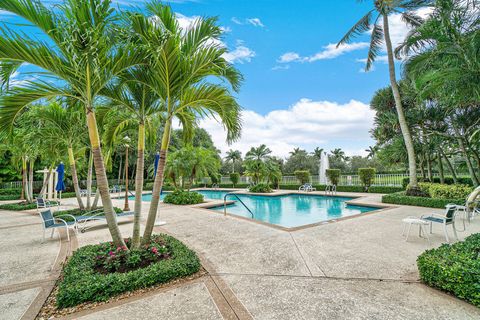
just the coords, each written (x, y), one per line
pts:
(450, 166)
(463, 147)
(440, 168)
(102, 181)
(76, 187)
(45, 182)
(158, 183)
(139, 186)
(95, 200)
(407, 137)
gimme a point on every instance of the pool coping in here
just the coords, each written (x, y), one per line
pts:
(206, 207)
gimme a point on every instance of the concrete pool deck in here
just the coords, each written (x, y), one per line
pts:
(360, 268)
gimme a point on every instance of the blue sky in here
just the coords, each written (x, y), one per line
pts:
(298, 90)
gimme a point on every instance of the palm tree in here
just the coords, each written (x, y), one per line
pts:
(298, 151)
(339, 154)
(372, 151)
(181, 67)
(63, 131)
(381, 33)
(233, 155)
(317, 153)
(260, 153)
(132, 105)
(82, 67)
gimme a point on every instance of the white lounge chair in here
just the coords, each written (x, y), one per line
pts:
(307, 187)
(49, 222)
(97, 215)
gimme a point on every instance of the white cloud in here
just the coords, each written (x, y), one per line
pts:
(255, 22)
(329, 51)
(241, 54)
(281, 67)
(306, 124)
(289, 57)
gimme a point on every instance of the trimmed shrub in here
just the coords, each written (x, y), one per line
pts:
(18, 206)
(182, 197)
(260, 188)
(216, 178)
(333, 176)
(9, 197)
(443, 191)
(367, 176)
(402, 199)
(83, 283)
(303, 176)
(234, 177)
(454, 268)
(10, 191)
(372, 189)
(380, 189)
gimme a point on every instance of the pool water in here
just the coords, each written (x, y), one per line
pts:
(293, 210)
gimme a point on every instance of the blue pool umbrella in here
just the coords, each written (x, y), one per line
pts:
(61, 173)
(155, 164)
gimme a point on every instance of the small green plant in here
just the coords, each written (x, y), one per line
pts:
(303, 176)
(182, 197)
(454, 268)
(234, 177)
(333, 176)
(260, 188)
(444, 191)
(404, 199)
(367, 176)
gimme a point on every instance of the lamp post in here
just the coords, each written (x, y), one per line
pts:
(127, 141)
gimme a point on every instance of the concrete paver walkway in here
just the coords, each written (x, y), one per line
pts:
(360, 268)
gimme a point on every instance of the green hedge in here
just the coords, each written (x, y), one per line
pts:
(78, 212)
(81, 283)
(182, 197)
(18, 206)
(367, 176)
(402, 199)
(448, 180)
(454, 268)
(444, 191)
(333, 175)
(10, 191)
(4, 197)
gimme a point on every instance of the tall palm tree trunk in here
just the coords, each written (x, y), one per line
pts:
(440, 168)
(89, 181)
(102, 181)
(24, 179)
(158, 183)
(45, 182)
(76, 187)
(407, 137)
(95, 200)
(139, 186)
(30, 180)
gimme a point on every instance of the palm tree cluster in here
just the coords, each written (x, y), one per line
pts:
(261, 166)
(440, 91)
(110, 72)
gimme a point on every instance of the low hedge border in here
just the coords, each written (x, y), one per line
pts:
(402, 199)
(183, 197)
(81, 283)
(454, 268)
(18, 206)
(372, 189)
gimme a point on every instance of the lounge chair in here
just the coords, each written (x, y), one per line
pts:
(44, 204)
(448, 218)
(84, 193)
(96, 215)
(307, 187)
(49, 222)
(116, 189)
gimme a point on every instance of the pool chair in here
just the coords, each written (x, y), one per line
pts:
(307, 187)
(448, 218)
(85, 221)
(116, 189)
(49, 222)
(44, 204)
(84, 193)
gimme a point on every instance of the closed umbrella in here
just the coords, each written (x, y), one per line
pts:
(155, 164)
(60, 183)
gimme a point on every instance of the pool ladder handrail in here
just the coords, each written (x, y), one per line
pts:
(331, 189)
(236, 196)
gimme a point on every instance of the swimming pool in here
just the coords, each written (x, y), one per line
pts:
(294, 210)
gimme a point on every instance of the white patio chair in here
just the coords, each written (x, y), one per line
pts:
(49, 222)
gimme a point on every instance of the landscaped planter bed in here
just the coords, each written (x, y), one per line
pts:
(402, 199)
(82, 280)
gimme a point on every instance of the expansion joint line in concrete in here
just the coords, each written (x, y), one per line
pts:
(301, 255)
(220, 274)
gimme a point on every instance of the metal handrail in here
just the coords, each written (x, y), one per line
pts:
(236, 196)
